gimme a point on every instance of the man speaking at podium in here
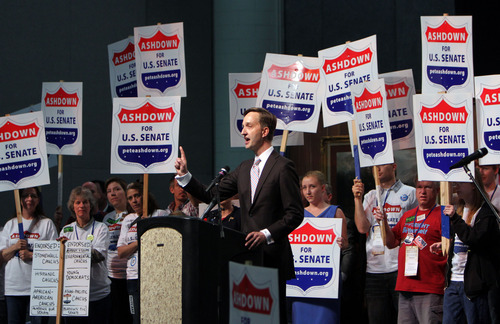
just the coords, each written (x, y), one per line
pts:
(268, 187)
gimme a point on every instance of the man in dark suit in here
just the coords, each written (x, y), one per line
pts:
(270, 209)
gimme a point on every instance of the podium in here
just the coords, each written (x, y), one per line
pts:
(183, 269)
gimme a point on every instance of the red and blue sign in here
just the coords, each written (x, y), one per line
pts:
(145, 134)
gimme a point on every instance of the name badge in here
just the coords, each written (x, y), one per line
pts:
(378, 244)
(411, 260)
(420, 217)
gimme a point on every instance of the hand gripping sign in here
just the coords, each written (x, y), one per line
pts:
(288, 89)
(488, 117)
(62, 109)
(145, 134)
(444, 134)
(243, 90)
(159, 55)
(372, 123)
(316, 258)
(341, 67)
(122, 75)
(400, 88)
(447, 63)
(23, 153)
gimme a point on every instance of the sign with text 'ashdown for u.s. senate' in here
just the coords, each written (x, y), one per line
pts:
(447, 62)
(253, 294)
(316, 257)
(444, 134)
(400, 88)
(145, 134)
(343, 66)
(62, 104)
(372, 123)
(160, 60)
(122, 73)
(23, 152)
(243, 90)
(488, 117)
(289, 90)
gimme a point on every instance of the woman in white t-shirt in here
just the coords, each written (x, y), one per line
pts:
(81, 202)
(128, 245)
(473, 268)
(18, 253)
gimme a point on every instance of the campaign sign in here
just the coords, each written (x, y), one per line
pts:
(243, 90)
(253, 294)
(316, 257)
(145, 134)
(159, 55)
(76, 288)
(62, 109)
(372, 123)
(122, 76)
(342, 67)
(400, 88)
(444, 135)
(488, 117)
(23, 153)
(44, 278)
(51, 158)
(289, 90)
(447, 63)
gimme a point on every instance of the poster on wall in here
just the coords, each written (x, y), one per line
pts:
(372, 123)
(23, 152)
(62, 104)
(400, 88)
(447, 62)
(289, 90)
(243, 90)
(145, 134)
(160, 60)
(122, 75)
(342, 67)
(444, 134)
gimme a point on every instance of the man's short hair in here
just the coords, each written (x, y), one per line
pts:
(266, 119)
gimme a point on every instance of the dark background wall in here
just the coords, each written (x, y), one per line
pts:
(49, 41)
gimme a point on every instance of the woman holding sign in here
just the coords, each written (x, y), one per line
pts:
(319, 310)
(127, 243)
(18, 254)
(475, 261)
(81, 203)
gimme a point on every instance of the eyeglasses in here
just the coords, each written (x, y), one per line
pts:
(32, 196)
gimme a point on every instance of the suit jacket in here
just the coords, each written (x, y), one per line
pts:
(277, 205)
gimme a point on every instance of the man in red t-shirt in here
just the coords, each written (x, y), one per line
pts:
(421, 270)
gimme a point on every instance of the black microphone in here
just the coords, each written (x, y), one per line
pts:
(223, 171)
(469, 158)
(209, 208)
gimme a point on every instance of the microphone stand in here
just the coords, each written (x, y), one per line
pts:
(215, 200)
(485, 197)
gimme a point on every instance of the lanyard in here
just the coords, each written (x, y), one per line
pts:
(387, 196)
(494, 192)
(415, 220)
(76, 230)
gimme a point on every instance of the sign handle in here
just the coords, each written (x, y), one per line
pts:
(284, 139)
(59, 180)
(60, 282)
(357, 168)
(445, 198)
(380, 203)
(19, 214)
(145, 194)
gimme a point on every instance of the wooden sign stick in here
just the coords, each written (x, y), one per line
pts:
(445, 198)
(145, 193)
(380, 202)
(60, 282)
